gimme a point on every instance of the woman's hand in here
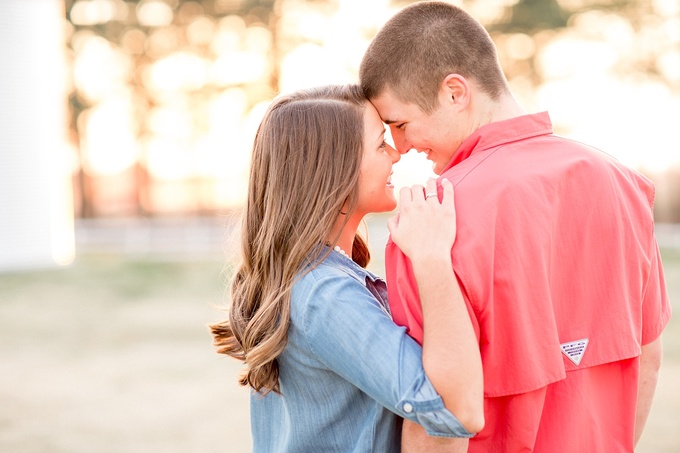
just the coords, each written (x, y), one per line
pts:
(425, 231)
(424, 228)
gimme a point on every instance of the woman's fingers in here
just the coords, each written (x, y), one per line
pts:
(405, 195)
(447, 189)
(425, 227)
(431, 190)
(393, 223)
(418, 192)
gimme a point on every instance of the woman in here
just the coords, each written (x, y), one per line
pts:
(329, 371)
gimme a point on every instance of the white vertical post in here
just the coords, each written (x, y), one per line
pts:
(36, 202)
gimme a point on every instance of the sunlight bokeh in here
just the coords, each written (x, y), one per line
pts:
(595, 95)
(165, 95)
(176, 92)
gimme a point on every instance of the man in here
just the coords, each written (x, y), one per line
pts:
(555, 252)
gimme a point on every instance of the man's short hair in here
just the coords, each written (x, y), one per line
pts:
(423, 43)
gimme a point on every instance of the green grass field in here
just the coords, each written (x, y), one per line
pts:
(112, 354)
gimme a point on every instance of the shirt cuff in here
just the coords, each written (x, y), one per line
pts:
(423, 405)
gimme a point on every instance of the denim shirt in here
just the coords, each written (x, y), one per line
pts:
(347, 373)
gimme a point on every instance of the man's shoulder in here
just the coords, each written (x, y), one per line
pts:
(548, 157)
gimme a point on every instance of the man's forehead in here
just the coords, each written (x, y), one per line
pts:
(390, 109)
(396, 114)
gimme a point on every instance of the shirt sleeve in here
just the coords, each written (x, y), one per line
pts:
(349, 332)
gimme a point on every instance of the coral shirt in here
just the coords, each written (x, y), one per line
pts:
(559, 266)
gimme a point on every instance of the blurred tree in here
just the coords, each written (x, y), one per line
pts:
(530, 16)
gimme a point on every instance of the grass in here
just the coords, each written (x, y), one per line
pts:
(112, 354)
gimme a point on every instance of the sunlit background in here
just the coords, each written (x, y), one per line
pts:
(164, 95)
(122, 118)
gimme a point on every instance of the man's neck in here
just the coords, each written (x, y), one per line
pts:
(504, 108)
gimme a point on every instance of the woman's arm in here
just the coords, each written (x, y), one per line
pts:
(425, 231)
(346, 327)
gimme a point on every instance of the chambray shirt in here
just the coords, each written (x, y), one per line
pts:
(347, 373)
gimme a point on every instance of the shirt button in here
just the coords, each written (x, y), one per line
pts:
(408, 408)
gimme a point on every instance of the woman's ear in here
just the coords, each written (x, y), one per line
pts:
(456, 90)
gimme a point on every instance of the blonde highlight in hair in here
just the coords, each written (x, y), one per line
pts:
(305, 167)
(422, 44)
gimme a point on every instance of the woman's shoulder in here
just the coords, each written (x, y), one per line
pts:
(327, 274)
(332, 283)
(335, 265)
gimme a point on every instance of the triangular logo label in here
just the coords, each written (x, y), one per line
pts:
(574, 350)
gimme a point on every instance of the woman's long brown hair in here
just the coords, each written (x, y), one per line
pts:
(304, 172)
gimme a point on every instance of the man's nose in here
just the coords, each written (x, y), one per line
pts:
(400, 142)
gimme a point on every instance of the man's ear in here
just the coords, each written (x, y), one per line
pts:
(456, 90)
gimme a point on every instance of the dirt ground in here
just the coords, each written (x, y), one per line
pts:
(112, 354)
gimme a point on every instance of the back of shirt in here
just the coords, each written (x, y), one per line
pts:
(557, 259)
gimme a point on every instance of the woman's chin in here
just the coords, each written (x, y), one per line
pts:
(391, 206)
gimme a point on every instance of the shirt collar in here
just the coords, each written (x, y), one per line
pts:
(502, 132)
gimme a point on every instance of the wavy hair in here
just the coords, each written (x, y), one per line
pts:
(304, 171)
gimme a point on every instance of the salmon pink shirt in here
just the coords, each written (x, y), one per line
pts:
(559, 265)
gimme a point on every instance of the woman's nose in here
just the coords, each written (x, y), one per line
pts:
(394, 154)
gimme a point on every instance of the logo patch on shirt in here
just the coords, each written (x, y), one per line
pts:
(574, 350)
